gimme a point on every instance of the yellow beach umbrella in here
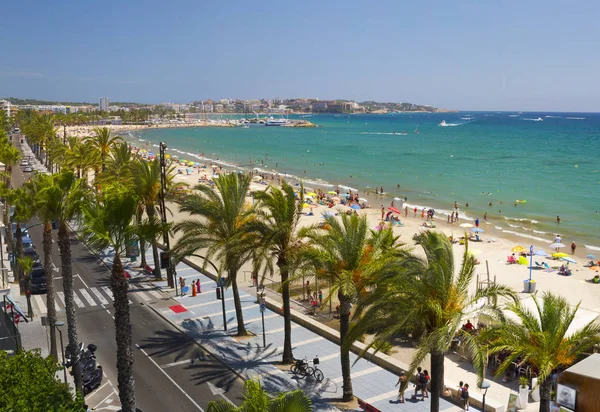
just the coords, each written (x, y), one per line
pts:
(518, 249)
(167, 156)
(474, 252)
(331, 192)
(311, 194)
(559, 255)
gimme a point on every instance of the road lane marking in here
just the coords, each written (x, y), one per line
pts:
(78, 301)
(82, 281)
(99, 296)
(304, 342)
(61, 297)
(155, 293)
(138, 292)
(171, 379)
(359, 373)
(40, 303)
(87, 297)
(168, 365)
(107, 290)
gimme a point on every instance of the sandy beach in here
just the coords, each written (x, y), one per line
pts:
(84, 131)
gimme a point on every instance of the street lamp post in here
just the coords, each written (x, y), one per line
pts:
(221, 284)
(262, 313)
(484, 385)
(57, 325)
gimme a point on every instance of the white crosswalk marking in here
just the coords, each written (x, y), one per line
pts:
(155, 293)
(87, 297)
(138, 292)
(304, 342)
(61, 297)
(40, 303)
(108, 292)
(359, 373)
(78, 301)
(99, 296)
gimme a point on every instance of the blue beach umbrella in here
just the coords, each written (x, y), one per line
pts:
(590, 257)
(540, 253)
(356, 207)
(568, 259)
(477, 230)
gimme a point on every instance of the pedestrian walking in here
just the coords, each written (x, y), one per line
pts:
(198, 286)
(459, 390)
(321, 297)
(417, 382)
(425, 383)
(401, 382)
(193, 288)
(182, 284)
(465, 396)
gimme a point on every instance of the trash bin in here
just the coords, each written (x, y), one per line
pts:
(532, 286)
(526, 286)
(529, 286)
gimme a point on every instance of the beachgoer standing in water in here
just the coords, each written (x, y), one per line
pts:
(558, 219)
(485, 217)
(573, 247)
(415, 212)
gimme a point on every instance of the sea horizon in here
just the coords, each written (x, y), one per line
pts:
(546, 159)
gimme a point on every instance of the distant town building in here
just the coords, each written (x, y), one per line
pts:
(104, 105)
(6, 107)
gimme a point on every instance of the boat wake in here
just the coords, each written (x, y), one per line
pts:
(444, 124)
(539, 119)
(576, 118)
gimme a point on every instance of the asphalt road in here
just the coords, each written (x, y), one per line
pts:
(171, 372)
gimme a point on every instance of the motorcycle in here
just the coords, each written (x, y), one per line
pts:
(92, 379)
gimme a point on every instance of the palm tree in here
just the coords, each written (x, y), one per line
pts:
(222, 231)
(109, 222)
(62, 198)
(543, 338)
(426, 298)
(43, 208)
(343, 253)
(102, 142)
(146, 180)
(256, 399)
(21, 199)
(26, 263)
(9, 155)
(278, 215)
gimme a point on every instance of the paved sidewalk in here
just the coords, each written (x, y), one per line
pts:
(202, 319)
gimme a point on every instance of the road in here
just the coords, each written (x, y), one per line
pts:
(171, 372)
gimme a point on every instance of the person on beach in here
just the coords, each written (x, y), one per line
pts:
(477, 222)
(423, 213)
(558, 219)
(415, 212)
(392, 205)
(485, 217)
(401, 381)
(405, 211)
(382, 212)
(573, 247)
(376, 191)
(456, 216)
(455, 205)
(381, 190)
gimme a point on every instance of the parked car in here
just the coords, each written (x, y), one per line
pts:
(25, 162)
(38, 280)
(28, 169)
(27, 242)
(30, 252)
(23, 231)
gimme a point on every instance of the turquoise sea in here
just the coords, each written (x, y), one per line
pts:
(551, 160)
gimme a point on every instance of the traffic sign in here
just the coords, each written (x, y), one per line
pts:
(222, 282)
(262, 307)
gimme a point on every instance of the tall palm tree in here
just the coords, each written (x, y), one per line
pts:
(425, 297)
(542, 338)
(43, 209)
(21, 199)
(102, 142)
(9, 155)
(222, 230)
(344, 253)
(109, 222)
(256, 399)
(278, 215)
(62, 198)
(147, 184)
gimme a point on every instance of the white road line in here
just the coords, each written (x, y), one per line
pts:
(138, 292)
(99, 296)
(274, 315)
(329, 357)
(82, 281)
(108, 292)
(98, 391)
(171, 379)
(155, 293)
(78, 301)
(168, 365)
(273, 331)
(61, 297)
(359, 373)
(304, 342)
(199, 305)
(381, 397)
(40, 302)
(87, 297)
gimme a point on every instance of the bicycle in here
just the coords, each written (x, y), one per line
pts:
(302, 369)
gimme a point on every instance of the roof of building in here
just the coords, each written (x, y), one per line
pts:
(589, 367)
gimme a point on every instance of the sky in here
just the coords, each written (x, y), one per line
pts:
(470, 55)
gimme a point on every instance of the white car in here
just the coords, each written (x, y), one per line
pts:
(24, 163)
(28, 169)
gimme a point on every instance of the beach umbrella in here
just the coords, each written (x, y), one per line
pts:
(590, 257)
(518, 249)
(306, 205)
(540, 253)
(355, 207)
(335, 199)
(466, 225)
(362, 199)
(474, 252)
(568, 259)
(311, 194)
(559, 255)
(393, 209)
(328, 214)
(331, 192)
(556, 245)
(344, 194)
(477, 230)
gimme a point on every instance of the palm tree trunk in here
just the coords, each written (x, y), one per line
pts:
(138, 219)
(238, 304)
(9, 235)
(64, 244)
(545, 389)
(18, 254)
(151, 212)
(288, 356)
(125, 380)
(345, 351)
(437, 379)
(47, 243)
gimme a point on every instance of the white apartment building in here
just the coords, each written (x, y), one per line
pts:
(6, 107)
(104, 105)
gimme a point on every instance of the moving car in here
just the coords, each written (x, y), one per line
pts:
(28, 169)
(38, 280)
(30, 252)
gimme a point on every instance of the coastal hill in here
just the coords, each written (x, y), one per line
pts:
(378, 107)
